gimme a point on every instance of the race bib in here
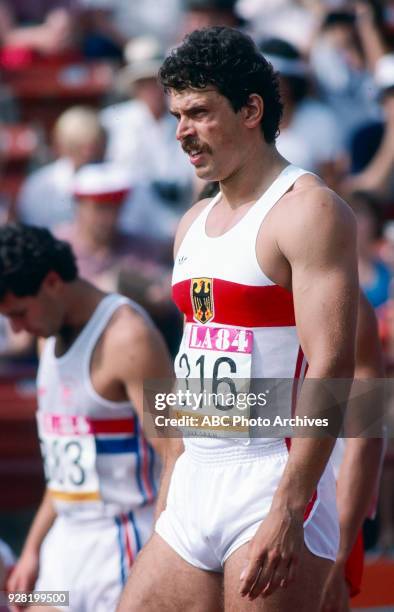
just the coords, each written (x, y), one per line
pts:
(69, 453)
(213, 369)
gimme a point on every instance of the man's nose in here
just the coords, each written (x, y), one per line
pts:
(185, 128)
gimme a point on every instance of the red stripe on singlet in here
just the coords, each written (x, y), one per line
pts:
(296, 382)
(128, 545)
(243, 305)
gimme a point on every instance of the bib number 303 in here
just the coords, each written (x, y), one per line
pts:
(69, 455)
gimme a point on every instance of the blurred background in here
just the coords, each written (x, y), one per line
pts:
(88, 149)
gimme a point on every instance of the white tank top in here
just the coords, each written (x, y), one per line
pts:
(96, 458)
(218, 284)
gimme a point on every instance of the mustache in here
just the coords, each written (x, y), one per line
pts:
(191, 144)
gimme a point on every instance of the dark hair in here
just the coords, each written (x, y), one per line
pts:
(335, 18)
(27, 254)
(298, 85)
(230, 61)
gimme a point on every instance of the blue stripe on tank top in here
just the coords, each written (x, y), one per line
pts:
(139, 467)
(121, 548)
(136, 531)
(151, 469)
(108, 446)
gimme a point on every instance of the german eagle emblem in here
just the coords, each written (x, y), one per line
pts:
(202, 299)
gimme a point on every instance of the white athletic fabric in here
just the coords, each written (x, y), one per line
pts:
(238, 301)
(100, 470)
(92, 560)
(217, 501)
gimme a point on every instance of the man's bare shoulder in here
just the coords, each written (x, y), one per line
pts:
(309, 195)
(187, 220)
(311, 212)
(127, 326)
(129, 340)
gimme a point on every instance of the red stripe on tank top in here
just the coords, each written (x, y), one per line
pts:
(294, 395)
(112, 426)
(238, 304)
(128, 545)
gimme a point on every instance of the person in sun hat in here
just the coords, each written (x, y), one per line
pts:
(133, 264)
(141, 137)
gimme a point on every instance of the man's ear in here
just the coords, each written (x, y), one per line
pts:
(252, 111)
(52, 281)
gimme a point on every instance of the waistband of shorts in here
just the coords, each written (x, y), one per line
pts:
(235, 453)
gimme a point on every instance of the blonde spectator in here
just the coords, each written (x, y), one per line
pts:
(45, 197)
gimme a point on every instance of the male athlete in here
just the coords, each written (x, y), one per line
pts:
(101, 471)
(272, 261)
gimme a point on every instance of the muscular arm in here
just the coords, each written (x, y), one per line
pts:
(25, 572)
(319, 243)
(140, 355)
(322, 255)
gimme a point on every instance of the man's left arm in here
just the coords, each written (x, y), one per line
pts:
(141, 357)
(319, 243)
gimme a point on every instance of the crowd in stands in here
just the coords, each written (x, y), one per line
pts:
(109, 175)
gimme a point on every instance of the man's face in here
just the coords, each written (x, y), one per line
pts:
(99, 219)
(209, 131)
(151, 93)
(40, 315)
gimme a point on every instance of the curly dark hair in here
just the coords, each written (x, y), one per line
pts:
(27, 254)
(230, 61)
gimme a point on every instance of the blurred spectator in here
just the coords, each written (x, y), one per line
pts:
(45, 28)
(161, 174)
(309, 134)
(7, 561)
(338, 61)
(207, 13)
(45, 197)
(135, 266)
(286, 19)
(103, 252)
(372, 149)
(375, 276)
(117, 21)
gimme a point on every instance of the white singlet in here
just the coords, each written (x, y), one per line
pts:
(238, 324)
(101, 472)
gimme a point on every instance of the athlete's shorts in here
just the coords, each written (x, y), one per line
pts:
(218, 498)
(91, 559)
(354, 567)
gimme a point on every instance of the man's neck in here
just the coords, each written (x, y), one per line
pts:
(81, 300)
(254, 177)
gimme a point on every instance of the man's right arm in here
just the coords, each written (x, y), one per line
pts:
(24, 575)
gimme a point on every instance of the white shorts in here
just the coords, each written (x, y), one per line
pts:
(217, 500)
(91, 559)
